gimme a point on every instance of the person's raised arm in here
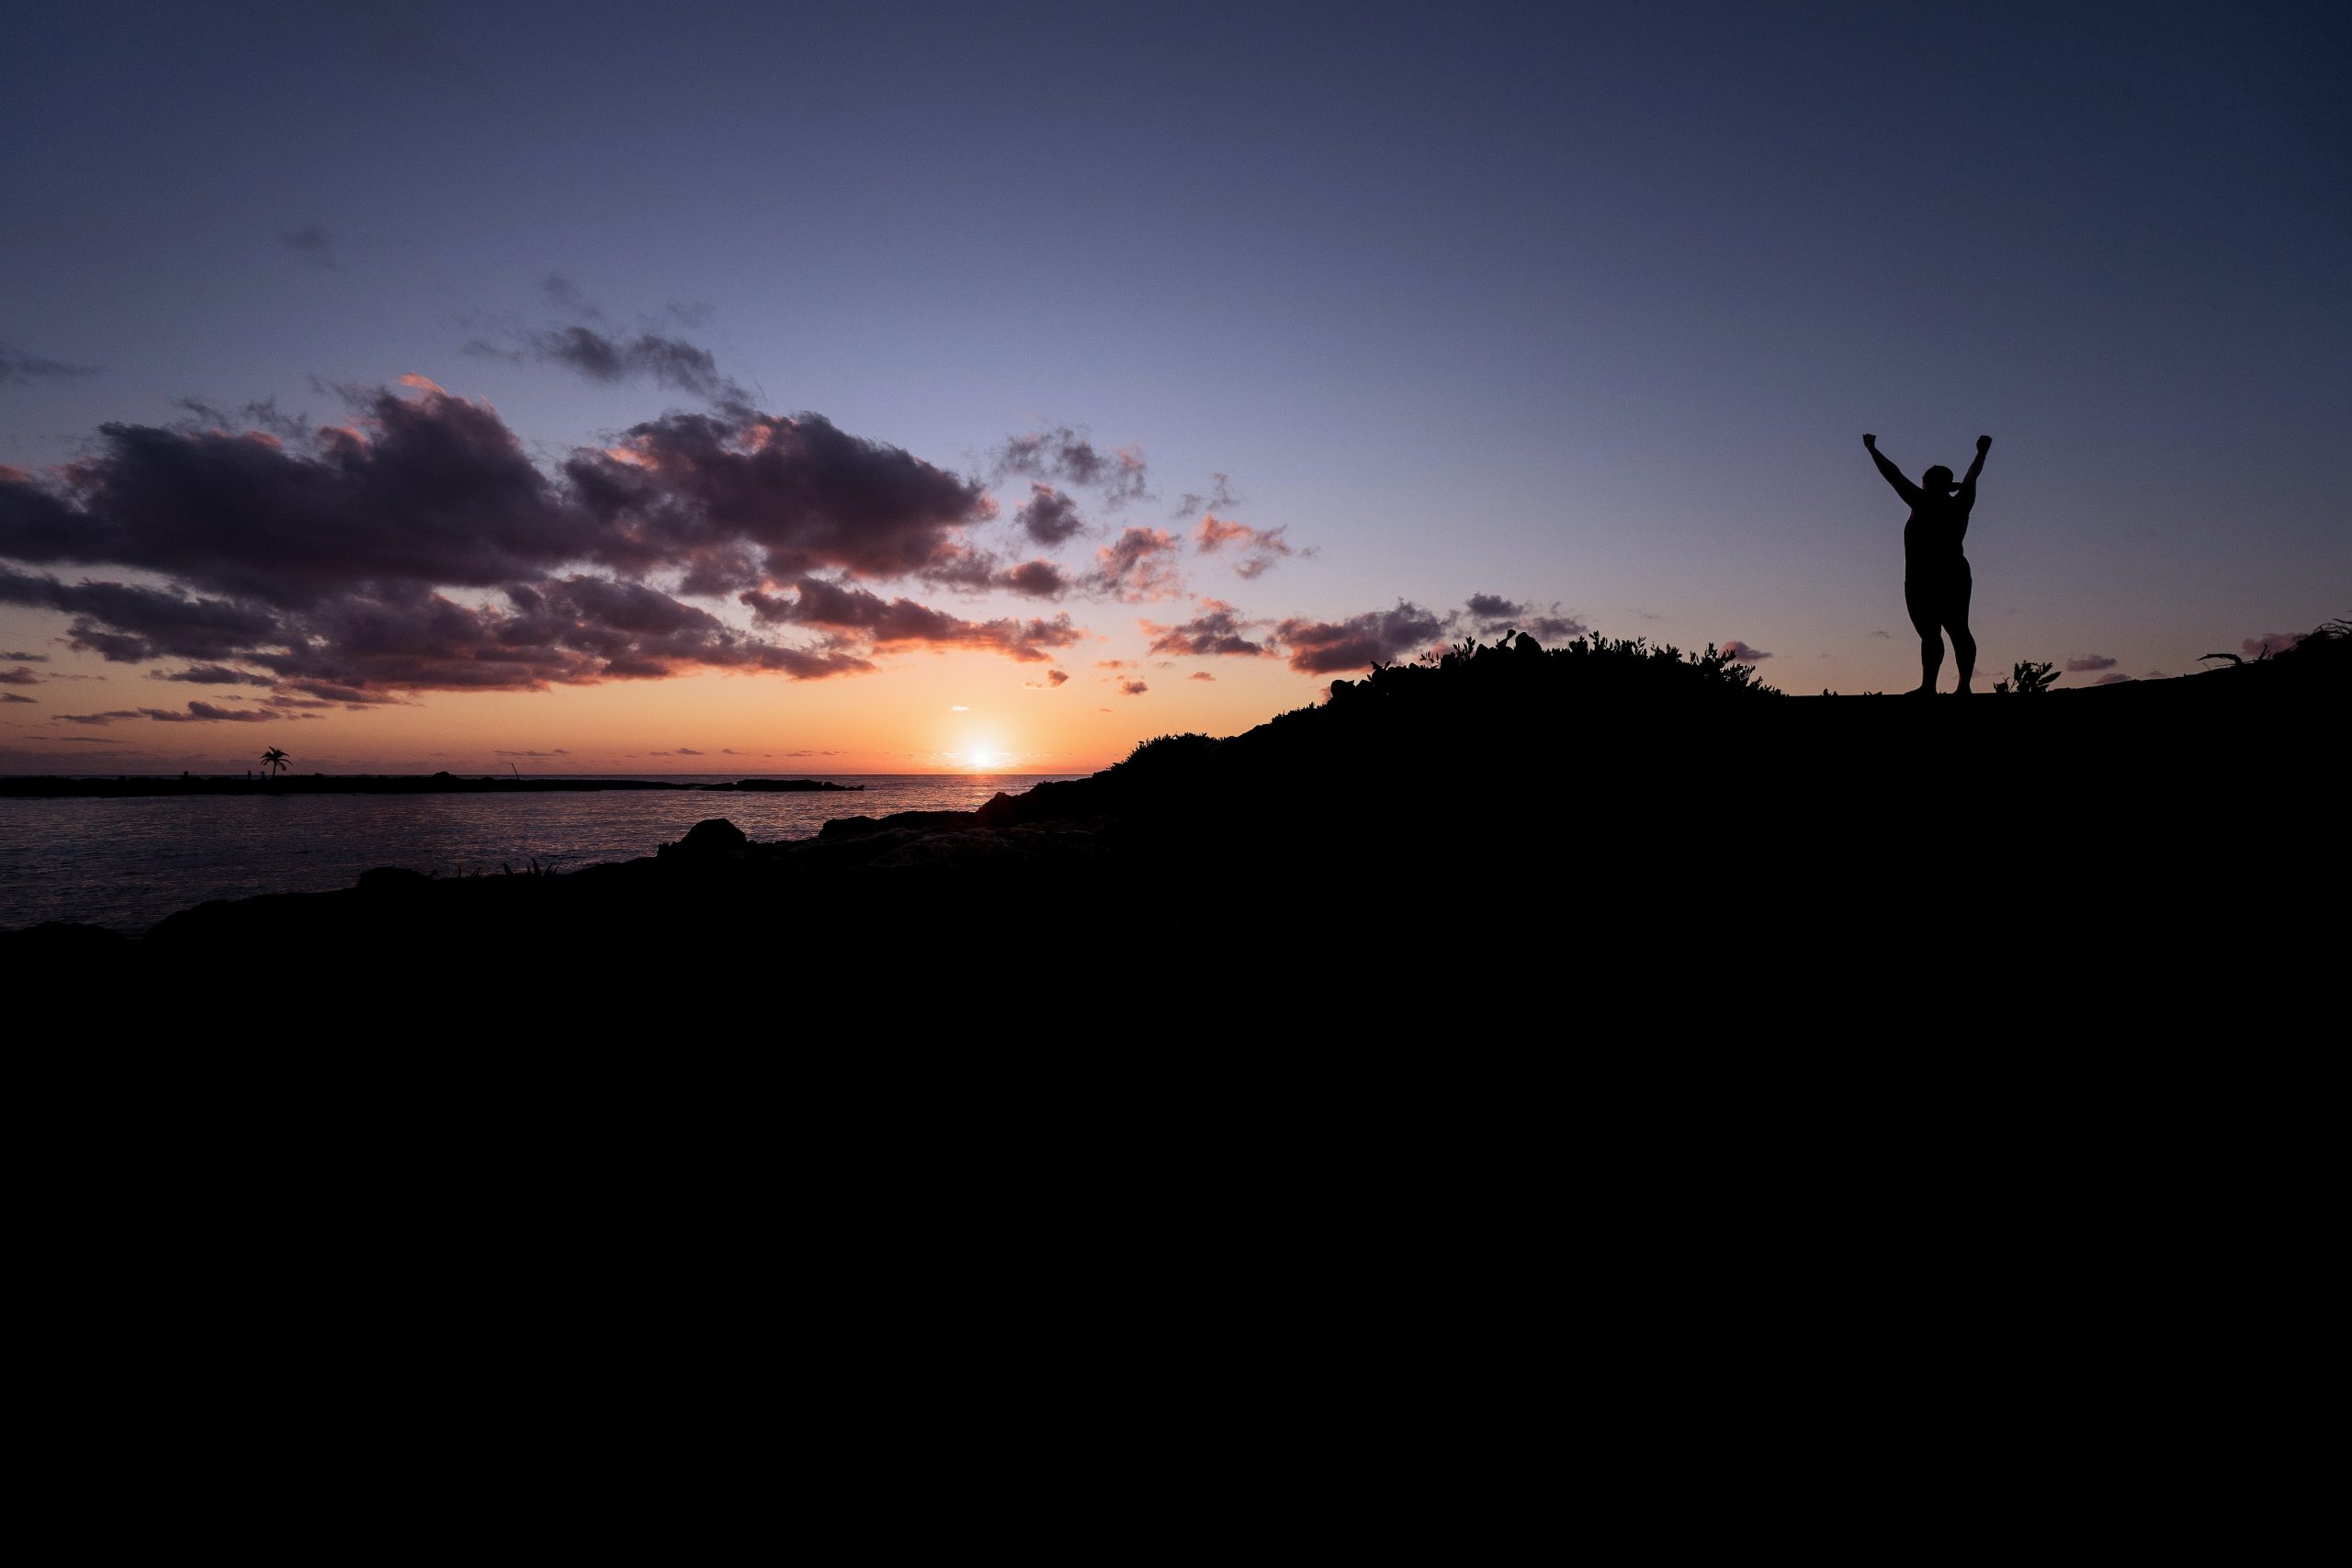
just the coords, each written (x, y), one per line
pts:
(1902, 487)
(1968, 484)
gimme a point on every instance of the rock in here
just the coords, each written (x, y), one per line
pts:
(391, 879)
(706, 840)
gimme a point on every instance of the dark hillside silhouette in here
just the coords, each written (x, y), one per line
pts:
(1601, 836)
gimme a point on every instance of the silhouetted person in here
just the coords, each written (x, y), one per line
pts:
(1936, 583)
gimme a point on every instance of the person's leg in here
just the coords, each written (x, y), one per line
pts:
(1919, 599)
(1964, 643)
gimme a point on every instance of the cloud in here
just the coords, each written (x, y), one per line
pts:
(1887, 635)
(1139, 567)
(311, 243)
(1323, 648)
(1048, 516)
(1060, 452)
(1743, 653)
(13, 697)
(799, 492)
(899, 623)
(2085, 666)
(1053, 678)
(1220, 495)
(559, 752)
(1200, 675)
(2155, 676)
(195, 713)
(1259, 549)
(25, 658)
(1133, 688)
(1216, 631)
(2117, 679)
(613, 358)
(2273, 643)
(19, 676)
(21, 369)
(1492, 613)
(565, 296)
(1034, 579)
(687, 751)
(960, 566)
(211, 675)
(418, 547)
(259, 415)
(959, 707)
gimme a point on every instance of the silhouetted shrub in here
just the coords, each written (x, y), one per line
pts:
(2028, 679)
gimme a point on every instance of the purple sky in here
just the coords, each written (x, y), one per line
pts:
(1584, 307)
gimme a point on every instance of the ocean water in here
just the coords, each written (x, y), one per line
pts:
(127, 863)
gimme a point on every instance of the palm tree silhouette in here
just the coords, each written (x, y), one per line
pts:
(274, 759)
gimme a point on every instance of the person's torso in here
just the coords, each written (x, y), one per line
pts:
(1931, 537)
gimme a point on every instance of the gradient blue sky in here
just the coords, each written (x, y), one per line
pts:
(1563, 303)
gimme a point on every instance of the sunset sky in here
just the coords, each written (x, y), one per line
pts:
(760, 387)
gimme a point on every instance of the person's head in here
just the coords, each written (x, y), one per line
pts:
(1937, 479)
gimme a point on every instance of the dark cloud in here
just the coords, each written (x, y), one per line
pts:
(19, 676)
(213, 675)
(418, 548)
(1882, 635)
(2117, 679)
(800, 492)
(1220, 495)
(195, 713)
(22, 368)
(1743, 653)
(1200, 675)
(1324, 648)
(565, 296)
(616, 358)
(1217, 631)
(13, 697)
(260, 414)
(2272, 643)
(1259, 549)
(1492, 613)
(25, 658)
(1133, 688)
(1048, 516)
(687, 751)
(1139, 567)
(313, 244)
(1053, 678)
(899, 623)
(1062, 453)
(432, 489)
(2085, 666)
(559, 752)
(1034, 578)
(981, 572)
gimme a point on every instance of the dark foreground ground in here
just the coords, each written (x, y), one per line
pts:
(1609, 862)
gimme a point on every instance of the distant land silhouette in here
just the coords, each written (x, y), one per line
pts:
(1628, 833)
(32, 787)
